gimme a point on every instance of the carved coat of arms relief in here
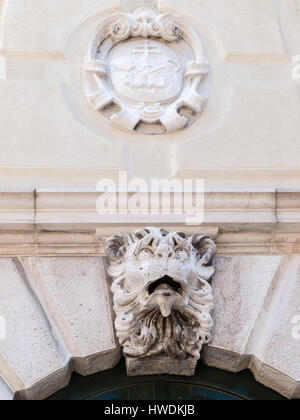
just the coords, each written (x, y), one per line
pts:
(147, 71)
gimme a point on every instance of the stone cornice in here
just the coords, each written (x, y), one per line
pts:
(65, 222)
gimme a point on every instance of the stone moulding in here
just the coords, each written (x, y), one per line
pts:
(162, 299)
(147, 72)
(65, 222)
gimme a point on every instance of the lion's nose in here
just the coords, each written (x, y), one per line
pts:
(165, 251)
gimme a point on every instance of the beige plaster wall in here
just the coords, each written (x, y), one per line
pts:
(247, 137)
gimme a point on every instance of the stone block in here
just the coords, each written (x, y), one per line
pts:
(75, 293)
(257, 319)
(29, 349)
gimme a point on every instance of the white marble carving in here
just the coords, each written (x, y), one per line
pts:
(162, 299)
(147, 72)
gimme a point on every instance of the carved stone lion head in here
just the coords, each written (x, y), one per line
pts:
(162, 297)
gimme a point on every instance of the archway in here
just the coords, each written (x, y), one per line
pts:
(207, 384)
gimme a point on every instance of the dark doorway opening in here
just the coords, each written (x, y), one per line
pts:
(207, 384)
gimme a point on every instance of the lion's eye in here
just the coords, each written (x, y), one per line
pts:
(182, 253)
(145, 253)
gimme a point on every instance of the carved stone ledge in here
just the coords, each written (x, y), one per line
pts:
(161, 366)
(162, 299)
(66, 222)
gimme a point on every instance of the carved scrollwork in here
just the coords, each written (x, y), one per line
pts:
(168, 28)
(121, 29)
(140, 65)
(144, 23)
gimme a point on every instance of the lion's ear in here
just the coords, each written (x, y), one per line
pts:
(206, 249)
(116, 247)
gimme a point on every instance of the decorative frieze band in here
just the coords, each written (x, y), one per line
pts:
(47, 222)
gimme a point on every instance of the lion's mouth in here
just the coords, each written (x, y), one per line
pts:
(165, 293)
(166, 285)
